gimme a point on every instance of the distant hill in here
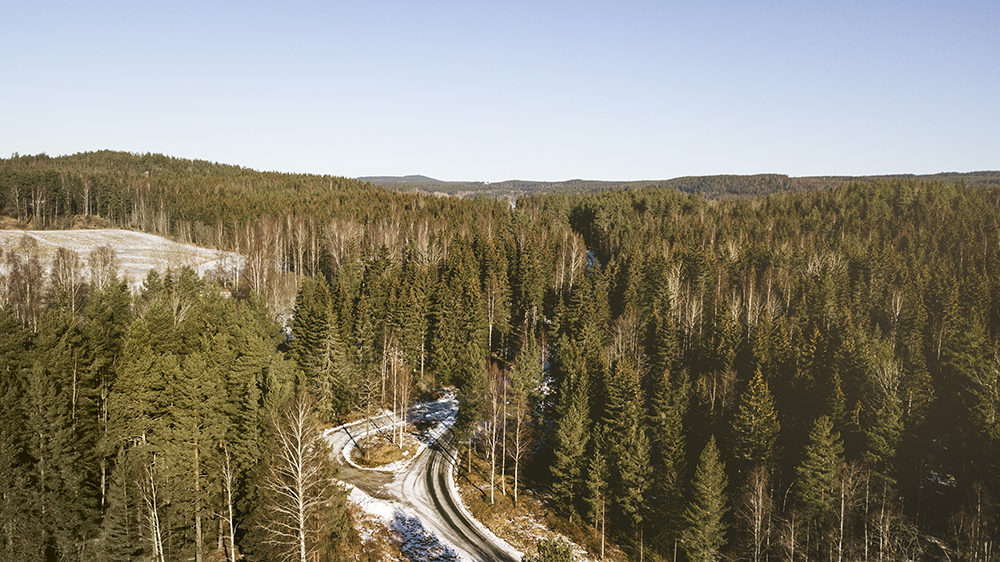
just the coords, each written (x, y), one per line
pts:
(713, 187)
(396, 180)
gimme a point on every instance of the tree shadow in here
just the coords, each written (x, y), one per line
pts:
(416, 542)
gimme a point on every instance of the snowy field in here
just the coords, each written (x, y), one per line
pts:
(137, 252)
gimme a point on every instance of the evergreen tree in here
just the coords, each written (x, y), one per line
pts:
(20, 522)
(666, 491)
(571, 433)
(551, 549)
(597, 493)
(63, 502)
(628, 450)
(197, 421)
(754, 428)
(705, 531)
(119, 527)
(816, 476)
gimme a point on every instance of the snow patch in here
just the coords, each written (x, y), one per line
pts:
(137, 252)
(416, 542)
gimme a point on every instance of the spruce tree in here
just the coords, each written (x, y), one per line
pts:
(628, 445)
(705, 531)
(816, 476)
(570, 438)
(754, 427)
(19, 498)
(667, 454)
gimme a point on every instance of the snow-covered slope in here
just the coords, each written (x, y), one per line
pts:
(137, 252)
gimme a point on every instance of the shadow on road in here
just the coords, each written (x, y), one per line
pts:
(416, 543)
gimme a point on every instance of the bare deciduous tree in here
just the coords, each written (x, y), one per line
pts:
(298, 481)
(25, 282)
(228, 516)
(104, 267)
(67, 278)
(756, 512)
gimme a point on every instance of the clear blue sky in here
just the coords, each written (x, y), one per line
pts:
(472, 90)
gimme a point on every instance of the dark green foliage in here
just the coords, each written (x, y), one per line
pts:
(755, 428)
(572, 428)
(667, 456)
(871, 304)
(705, 529)
(627, 445)
(817, 475)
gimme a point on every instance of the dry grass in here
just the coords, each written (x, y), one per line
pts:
(524, 524)
(377, 450)
(372, 542)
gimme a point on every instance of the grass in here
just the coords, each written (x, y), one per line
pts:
(377, 450)
(531, 520)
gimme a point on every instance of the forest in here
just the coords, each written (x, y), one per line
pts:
(806, 375)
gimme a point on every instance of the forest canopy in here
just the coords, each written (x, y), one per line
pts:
(810, 373)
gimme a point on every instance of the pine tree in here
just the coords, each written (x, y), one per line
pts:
(666, 492)
(705, 531)
(754, 427)
(571, 433)
(816, 476)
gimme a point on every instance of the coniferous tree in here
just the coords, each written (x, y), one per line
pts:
(20, 521)
(628, 449)
(705, 531)
(754, 428)
(817, 480)
(571, 432)
(667, 453)
(552, 549)
(597, 492)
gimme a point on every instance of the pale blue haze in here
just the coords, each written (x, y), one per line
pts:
(502, 90)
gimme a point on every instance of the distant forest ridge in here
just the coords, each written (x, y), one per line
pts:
(127, 164)
(712, 187)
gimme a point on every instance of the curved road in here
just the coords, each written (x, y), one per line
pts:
(426, 488)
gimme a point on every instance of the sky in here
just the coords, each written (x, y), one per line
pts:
(491, 91)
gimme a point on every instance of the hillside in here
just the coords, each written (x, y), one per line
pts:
(137, 252)
(712, 187)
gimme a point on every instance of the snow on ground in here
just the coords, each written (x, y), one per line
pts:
(486, 531)
(137, 252)
(416, 542)
(443, 419)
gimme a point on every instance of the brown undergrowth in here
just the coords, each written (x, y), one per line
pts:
(377, 449)
(529, 521)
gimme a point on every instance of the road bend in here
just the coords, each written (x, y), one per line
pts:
(426, 487)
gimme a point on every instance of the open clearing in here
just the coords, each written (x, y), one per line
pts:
(137, 252)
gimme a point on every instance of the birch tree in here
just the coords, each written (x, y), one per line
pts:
(298, 482)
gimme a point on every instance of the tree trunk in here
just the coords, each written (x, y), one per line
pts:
(197, 504)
